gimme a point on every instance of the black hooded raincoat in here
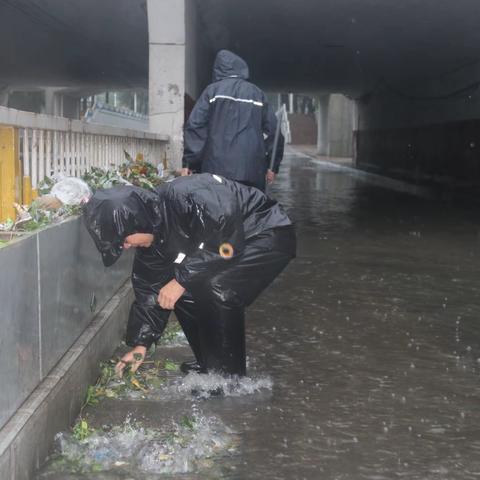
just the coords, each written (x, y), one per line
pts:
(225, 131)
(222, 241)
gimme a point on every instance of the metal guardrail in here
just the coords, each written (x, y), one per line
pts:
(35, 146)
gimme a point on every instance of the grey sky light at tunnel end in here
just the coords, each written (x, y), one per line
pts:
(348, 46)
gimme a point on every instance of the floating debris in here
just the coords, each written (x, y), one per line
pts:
(150, 376)
(186, 444)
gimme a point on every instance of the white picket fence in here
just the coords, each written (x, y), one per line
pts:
(53, 145)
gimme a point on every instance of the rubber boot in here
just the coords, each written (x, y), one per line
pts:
(192, 366)
(222, 338)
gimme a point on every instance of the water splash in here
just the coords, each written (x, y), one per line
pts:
(204, 386)
(187, 445)
(190, 446)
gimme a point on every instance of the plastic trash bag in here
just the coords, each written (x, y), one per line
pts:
(71, 191)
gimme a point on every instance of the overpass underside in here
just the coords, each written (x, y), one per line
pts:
(411, 67)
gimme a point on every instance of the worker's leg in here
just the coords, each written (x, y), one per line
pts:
(222, 334)
(187, 314)
(221, 302)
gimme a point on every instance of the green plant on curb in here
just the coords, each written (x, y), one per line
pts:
(82, 430)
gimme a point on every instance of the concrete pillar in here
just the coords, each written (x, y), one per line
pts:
(4, 91)
(340, 126)
(166, 28)
(323, 102)
(51, 101)
(290, 103)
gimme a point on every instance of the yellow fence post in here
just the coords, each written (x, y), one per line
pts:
(10, 172)
(28, 192)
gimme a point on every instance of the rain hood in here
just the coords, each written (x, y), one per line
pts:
(113, 214)
(229, 65)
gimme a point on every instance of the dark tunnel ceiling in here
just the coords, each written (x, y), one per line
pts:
(74, 42)
(311, 45)
(347, 45)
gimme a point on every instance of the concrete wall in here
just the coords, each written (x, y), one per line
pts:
(53, 283)
(427, 134)
(27, 438)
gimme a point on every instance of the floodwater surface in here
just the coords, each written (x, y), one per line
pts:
(364, 356)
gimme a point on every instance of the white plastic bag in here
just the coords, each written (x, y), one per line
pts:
(71, 191)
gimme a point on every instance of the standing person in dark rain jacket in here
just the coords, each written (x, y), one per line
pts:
(231, 129)
(208, 247)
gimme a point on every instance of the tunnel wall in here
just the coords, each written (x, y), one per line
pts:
(421, 138)
(53, 284)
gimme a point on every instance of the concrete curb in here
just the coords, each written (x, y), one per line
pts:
(26, 439)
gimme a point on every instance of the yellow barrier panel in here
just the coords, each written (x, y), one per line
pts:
(10, 173)
(27, 191)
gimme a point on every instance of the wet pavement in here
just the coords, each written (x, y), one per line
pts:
(364, 356)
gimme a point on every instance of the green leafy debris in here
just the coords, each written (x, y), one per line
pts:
(188, 422)
(82, 430)
(40, 214)
(170, 366)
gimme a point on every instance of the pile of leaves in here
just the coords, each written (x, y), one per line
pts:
(141, 173)
(149, 376)
(133, 172)
(35, 216)
(97, 178)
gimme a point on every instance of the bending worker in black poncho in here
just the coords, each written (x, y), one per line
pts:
(209, 246)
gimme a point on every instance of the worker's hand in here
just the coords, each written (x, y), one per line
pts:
(185, 172)
(134, 358)
(169, 295)
(270, 176)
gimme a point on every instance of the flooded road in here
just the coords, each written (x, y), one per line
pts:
(364, 355)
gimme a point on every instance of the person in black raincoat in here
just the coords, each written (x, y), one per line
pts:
(231, 129)
(208, 247)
